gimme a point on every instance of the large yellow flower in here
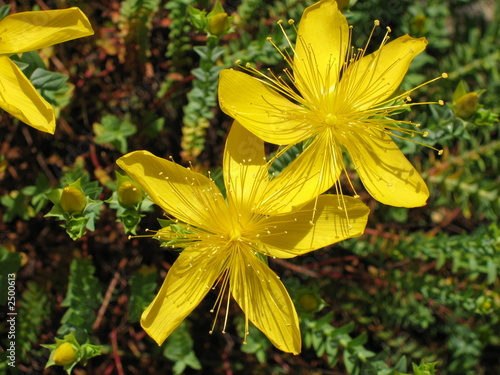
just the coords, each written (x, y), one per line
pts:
(28, 31)
(340, 97)
(223, 237)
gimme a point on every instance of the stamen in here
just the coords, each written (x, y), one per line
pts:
(218, 302)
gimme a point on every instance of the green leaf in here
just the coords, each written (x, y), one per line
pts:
(114, 131)
(4, 11)
(9, 264)
(143, 287)
(83, 298)
(46, 80)
(179, 348)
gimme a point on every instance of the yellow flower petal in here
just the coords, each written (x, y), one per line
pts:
(262, 110)
(385, 172)
(28, 31)
(264, 300)
(182, 193)
(188, 281)
(320, 50)
(245, 168)
(22, 100)
(327, 220)
(313, 172)
(375, 77)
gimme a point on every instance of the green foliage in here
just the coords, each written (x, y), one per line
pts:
(434, 303)
(256, 342)
(27, 202)
(179, 348)
(137, 15)
(4, 11)
(142, 291)
(83, 298)
(179, 42)
(10, 262)
(16, 204)
(114, 131)
(202, 98)
(31, 316)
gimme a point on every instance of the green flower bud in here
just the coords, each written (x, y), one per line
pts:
(218, 24)
(308, 302)
(129, 194)
(64, 354)
(467, 104)
(72, 200)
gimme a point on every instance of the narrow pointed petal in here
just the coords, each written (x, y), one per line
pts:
(325, 221)
(245, 168)
(20, 98)
(187, 282)
(313, 172)
(182, 193)
(262, 110)
(265, 301)
(321, 48)
(375, 77)
(29, 31)
(385, 172)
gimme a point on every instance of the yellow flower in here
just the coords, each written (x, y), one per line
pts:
(224, 237)
(28, 31)
(340, 97)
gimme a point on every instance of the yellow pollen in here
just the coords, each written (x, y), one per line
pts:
(331, 119)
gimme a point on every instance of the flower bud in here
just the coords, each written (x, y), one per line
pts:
(218, 24)
(129, 194)
(309, 302)
(64, 354)
(72, 200)
(467, 104)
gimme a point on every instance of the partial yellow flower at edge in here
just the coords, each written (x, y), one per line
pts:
(221, 237)
(349, 110)
(27, 31)
(20, 98)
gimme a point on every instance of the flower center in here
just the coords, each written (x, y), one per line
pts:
(331, 119)
(235, 234)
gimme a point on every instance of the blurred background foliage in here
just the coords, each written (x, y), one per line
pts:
(421, 286)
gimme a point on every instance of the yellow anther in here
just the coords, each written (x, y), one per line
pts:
(376, 23)
(444, 75)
